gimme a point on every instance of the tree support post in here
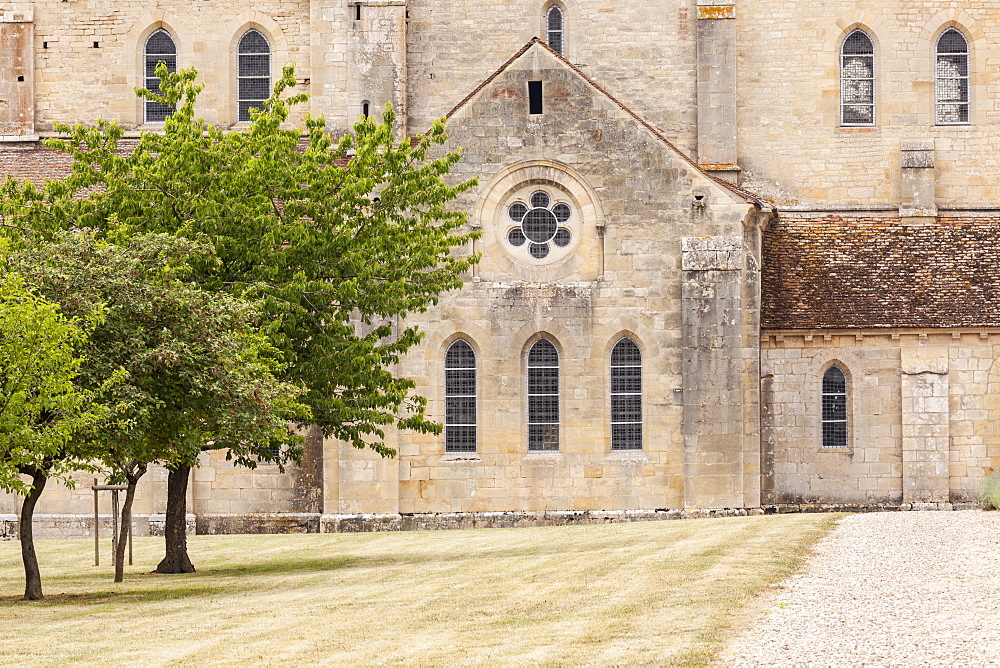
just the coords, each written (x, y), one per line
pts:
(114, 489)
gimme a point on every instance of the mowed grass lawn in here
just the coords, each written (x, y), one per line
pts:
(653, 592)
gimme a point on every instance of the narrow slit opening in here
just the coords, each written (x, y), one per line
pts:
(534, 97)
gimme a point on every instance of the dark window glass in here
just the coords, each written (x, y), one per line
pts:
(543, 396)
(951, 79)
(460, 398)
(626, 396)
(857, 80)
(834, 408)
(254, 73)
(159, 47)
(554, 29)
(534, 97)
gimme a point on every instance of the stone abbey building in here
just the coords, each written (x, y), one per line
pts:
(735, 254)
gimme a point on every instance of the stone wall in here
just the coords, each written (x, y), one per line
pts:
(634, 199)
(921, 412)
(791, 141)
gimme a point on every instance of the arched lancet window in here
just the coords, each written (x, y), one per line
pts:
(857, 80)
(254, 75)
(554, 29)
(951, 79)
(626, 396)
(159, 46)
(834, 408)
(460, 398)
(543, 396)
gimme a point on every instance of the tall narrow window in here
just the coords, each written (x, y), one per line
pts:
(554, 29)
(254, 72)
(460, 398)
(543, 396)
(857, 80)
(834, 408)
(626, 396)
(159, 47)
(951, 79)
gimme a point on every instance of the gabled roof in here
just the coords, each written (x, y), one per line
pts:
(535, 41)
(864, 271)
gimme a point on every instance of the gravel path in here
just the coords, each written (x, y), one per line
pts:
(905, 588)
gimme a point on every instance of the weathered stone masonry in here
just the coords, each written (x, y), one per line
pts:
(720, 217)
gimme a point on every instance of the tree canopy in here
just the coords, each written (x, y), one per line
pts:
(337, 241)
(41, 407)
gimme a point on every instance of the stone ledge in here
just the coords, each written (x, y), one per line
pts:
(514, 519)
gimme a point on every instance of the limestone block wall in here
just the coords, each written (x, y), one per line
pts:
(221, 498)
(88, 53)
(643, 53)
(921, 412)
(633, 199)
(791, 143)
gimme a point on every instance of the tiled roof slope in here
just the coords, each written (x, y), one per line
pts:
(870, 271)
(33, 163)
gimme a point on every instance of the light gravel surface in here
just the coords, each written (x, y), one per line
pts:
(904, 588)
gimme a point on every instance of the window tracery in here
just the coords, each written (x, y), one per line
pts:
(857, 80)
(540, 221)
(951, 79)
(254, 72)
(159, 47)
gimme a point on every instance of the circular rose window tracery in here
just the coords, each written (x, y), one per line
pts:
(541, 225)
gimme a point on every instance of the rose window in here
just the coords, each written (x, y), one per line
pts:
(540, 225)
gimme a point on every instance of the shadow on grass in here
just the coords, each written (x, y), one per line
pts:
(126, 596)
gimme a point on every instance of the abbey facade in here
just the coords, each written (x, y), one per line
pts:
(735, 255)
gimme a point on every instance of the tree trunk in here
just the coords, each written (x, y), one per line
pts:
(32, 576)
(176, 559)
(126, 524)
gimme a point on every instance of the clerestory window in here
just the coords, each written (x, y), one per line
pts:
(460, 398)
(543, 397)
(159, 47)
(834, 394)
(554, 29)
(254, 76)
(951, 79)
(626, 396)
(857, 80)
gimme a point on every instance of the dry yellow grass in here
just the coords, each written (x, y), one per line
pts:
(658, 592)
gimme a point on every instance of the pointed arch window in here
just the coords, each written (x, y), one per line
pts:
(160, 46)
(834, 408)
(460, 398)
(857, 80)
(554, 29)
(543, 397)
(254, 75)
(951, 79)
(626, 396)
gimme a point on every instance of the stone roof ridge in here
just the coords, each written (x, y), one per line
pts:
(745, 194)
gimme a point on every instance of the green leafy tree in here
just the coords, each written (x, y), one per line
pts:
(41, 407)
(338, 241)
(200, 373)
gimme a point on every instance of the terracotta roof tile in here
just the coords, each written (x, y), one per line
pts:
(871, 271)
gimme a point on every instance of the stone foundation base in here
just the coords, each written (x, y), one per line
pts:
(258, 523)
(862, 507)
(515, 519)
(67, 526)
(82, 526)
